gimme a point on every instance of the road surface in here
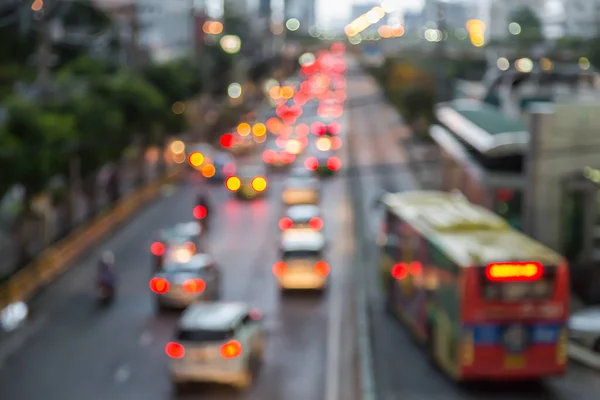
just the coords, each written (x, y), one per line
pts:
(71, 350)
(401, 368)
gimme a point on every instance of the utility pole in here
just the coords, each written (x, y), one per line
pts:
(134, 37)
(44, 50)
(442, 86)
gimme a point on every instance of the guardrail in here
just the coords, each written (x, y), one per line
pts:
(56, 259)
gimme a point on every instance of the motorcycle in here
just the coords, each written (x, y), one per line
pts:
(106, 294)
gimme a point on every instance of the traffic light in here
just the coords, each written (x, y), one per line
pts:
(476, 29)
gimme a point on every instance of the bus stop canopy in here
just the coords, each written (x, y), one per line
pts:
(484, 127)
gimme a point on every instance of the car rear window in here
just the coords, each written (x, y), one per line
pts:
(301, 254)
(199, 335)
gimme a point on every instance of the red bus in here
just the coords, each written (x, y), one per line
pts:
(489, 302)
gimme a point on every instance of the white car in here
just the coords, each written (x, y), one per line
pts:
(217, 342)
(584, 329)
(302, 265)
(180, 284)
(303, 216)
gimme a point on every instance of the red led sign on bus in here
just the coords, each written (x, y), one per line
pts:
(514, 271)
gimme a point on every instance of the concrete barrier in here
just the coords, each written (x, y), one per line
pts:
(53, 261)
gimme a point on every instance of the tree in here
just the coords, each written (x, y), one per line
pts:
(531, 29)
(177, 81)
(36, 142)
(143, 108)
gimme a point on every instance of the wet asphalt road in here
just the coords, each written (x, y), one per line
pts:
(401, 368)
(72, 350)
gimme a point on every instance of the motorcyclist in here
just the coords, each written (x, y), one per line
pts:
(203, 200)
(106, 273)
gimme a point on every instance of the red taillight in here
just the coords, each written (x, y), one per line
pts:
(318, 128)
(229, 169)
(334, 163)
(157, 248)
(255, 314)
(194, 285)
(279, 269)
(269, 156)
(227, 140)
(311, 163)
(316, 223)
(231, 349)
(159, 285)
(514, 271)
(174, 350)
(400, 271)
(334, 128)
(199, 212)
(287, 158)
(285, 223)
(322, 268)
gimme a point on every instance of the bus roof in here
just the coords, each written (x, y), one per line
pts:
(469, 234)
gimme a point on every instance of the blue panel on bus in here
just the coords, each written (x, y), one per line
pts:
(492, 334)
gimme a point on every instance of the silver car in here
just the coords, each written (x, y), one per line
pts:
(584, 329)
(217, 342)
(178, 285)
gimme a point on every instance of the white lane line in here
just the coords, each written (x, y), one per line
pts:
(122, 374)
(145, 339)
(334, 321)
(20, 337)
(584, 356)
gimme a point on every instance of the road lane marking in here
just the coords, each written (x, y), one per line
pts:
(122, 374)
(334, 322)
(145, 339)
(17, 339)
(584, 356)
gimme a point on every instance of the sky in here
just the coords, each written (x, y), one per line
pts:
(340, 9)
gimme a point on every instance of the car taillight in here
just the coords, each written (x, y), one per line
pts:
(400, 271)
(334, 128)
(159, 285)
(269, 156)
(287, 157)
(231, 349)
(255, 314)
(322, 268)
(199, 212)
(233, 183)
(175, 350)
(285, 224)
(334, 163)
(514, 271)
(318, 128)
(315, 223)
(311, 163)
(157, 248)
(229, 169)
(259, 184)
(190, 247)
(279, 269)
(196, 285)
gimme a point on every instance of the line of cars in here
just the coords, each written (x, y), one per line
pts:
(220, 341)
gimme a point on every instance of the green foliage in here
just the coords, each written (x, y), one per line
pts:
(531, 28)
(141, 103)
(36, 141)
(177, 80)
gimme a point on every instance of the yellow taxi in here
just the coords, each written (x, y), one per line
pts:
(250, 183)
(301, 188)
(302, 264)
